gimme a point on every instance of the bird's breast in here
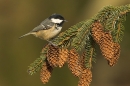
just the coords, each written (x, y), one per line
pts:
(48, 34)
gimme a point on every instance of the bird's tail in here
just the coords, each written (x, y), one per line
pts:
(24, 35)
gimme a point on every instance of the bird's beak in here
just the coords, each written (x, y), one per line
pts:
(65, 20)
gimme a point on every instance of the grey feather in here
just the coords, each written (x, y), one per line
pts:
(24, 35)
(39, 27)
(46, 24)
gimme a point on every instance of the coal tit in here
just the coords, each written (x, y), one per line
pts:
(48, 28)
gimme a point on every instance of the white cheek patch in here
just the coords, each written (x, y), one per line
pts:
(56, 20)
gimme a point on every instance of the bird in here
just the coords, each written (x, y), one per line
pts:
(48, 28)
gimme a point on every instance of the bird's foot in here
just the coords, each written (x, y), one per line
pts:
(51, 43)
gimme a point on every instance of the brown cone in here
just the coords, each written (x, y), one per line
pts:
(110, 50)
(82, 61)
(73, 62)
(85, 78)
(63, 56)
(52, 55)
(45, 73)
(97, 31)
(116, 50)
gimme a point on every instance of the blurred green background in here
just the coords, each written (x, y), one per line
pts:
(18, 17)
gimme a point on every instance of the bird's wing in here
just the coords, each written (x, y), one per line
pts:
(46, 24)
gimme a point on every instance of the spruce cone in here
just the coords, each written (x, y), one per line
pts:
(106, 46)
(63, 56)
(85, 78)
(73, 62)
(116, 50)
(110, 50)
(82, 61)
(53, 55)
(45, 72)
(97, 31)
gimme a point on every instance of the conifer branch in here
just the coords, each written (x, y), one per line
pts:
(105, 29)
(89, 52)
(37, 64)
